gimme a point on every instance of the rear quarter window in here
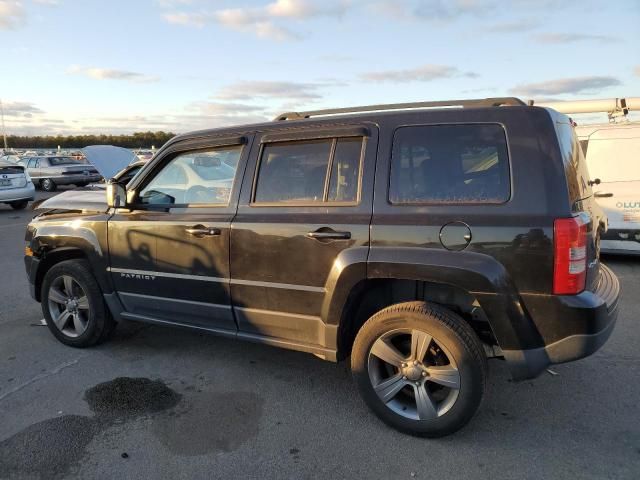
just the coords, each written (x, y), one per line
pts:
(449, 164)
(575, 166)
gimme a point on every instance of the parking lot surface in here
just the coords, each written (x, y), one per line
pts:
(157, 402)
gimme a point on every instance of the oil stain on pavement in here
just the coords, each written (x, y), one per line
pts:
(210, 422)
(204, 423)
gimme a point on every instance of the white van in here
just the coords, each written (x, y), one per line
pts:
(612, 152)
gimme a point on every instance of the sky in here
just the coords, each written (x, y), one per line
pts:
(95, 66)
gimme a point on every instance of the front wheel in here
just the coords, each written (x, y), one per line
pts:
(73, 305)
(20, 205)
(48, 185)
(420, 368)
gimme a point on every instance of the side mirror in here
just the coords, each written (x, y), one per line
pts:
(116, 195)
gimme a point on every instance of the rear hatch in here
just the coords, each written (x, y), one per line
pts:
(581, 195)
(12, 176)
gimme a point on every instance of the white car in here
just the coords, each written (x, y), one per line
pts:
(16, 188)
(612, 152)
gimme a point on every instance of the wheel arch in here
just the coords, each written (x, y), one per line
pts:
(475, 285)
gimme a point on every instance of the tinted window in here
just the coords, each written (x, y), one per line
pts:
(55, 161)
(449, 164)
(299, 171)
(193, 178)
(574, 164)
(32, 162)
(345, 170)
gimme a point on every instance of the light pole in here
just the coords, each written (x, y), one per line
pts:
(4, 132)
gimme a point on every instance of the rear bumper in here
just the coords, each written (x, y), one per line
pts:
(571, 327)
(17, 194)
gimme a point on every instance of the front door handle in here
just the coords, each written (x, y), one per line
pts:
(603, 195)
(202, 231)
(329, 235)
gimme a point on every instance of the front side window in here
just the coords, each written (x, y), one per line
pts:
(309, 171)
(194, 178)
(449, 164)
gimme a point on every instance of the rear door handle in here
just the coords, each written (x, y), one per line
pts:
(329, 235)
(202, 231)
(603, 195)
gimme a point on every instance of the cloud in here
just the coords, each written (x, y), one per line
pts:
(424, 73)
(563, 38)
(573, 85)
(249, 90)
(230, 109)
(12, 14)
(264, 22)
(110, 74)
(516, 26)
(20, 109)
(636, 71)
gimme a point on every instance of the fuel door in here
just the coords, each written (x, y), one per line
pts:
(455, 236)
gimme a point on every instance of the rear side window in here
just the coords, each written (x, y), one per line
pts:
(575, 166)
(310, 171)
(449, 164)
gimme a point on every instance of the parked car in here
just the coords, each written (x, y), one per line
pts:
(48, 172)
(612, 152)
(16, 188)
(10, 157)
(418, 242)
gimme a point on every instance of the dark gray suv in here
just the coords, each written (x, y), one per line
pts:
(419, 241)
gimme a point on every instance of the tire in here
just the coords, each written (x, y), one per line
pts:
(20, 205)
(94, 323)
(431, 397)
(48, 185)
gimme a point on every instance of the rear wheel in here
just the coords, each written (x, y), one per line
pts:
(420, 368)
(48, 185)
(73, 305)
(21, 205)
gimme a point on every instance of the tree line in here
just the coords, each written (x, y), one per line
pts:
(135, 140)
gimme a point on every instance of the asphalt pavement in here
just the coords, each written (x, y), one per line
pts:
(156, 402)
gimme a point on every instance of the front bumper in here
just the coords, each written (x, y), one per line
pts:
(8, 195)
(570, 326)
(31, 265)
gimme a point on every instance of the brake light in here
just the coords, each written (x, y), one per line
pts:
(570, 255)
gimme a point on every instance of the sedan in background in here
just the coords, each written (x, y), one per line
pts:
(16, 188)
(48, 172)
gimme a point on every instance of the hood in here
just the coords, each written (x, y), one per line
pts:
(85, 200)
(108, 159)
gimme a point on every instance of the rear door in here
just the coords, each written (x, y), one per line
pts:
(169, 252)
(613, 157)
(306, 202)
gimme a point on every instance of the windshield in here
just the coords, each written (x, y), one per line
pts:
(55, 161)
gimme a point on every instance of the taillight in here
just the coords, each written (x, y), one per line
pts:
(570, 255)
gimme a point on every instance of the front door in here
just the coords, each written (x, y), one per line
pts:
(306, 203)
(169, 253)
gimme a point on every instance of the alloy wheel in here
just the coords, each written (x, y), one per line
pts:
(413, 374)
(68, 306)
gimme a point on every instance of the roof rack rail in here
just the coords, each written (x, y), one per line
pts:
(478, 102)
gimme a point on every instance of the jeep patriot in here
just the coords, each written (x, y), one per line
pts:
(418, 240)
